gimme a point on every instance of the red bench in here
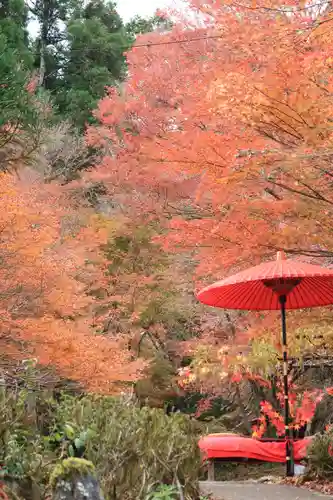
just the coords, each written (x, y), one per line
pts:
(232, 446)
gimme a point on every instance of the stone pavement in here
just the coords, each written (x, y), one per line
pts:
(229, 490)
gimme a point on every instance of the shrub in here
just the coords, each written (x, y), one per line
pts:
(163, 492)
(320, 456)
(135, 450)
(25, 415)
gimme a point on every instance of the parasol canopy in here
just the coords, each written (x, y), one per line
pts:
(260, 287)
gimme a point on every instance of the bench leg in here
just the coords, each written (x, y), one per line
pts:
(211, 470)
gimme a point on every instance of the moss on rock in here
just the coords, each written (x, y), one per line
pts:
(71, 467)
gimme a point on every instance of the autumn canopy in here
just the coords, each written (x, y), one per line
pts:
(218, 145)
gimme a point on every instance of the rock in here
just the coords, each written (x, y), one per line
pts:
(75, 479)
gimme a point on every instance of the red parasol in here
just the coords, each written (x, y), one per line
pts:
(280, 284)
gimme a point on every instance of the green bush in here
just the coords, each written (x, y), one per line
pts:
(25, 415)
(135, 450)
(163, 492)
(320, 456)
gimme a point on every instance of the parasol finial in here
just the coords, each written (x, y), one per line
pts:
(281, 255)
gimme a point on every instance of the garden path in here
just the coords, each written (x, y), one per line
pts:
(236, 490)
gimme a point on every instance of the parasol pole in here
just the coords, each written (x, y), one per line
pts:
(288, 436)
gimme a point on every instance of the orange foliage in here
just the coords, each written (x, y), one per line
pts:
(44, 308)
(235, 129)
(226, 139)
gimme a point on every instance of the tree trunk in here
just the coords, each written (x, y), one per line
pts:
(43, 42)
(41, 75)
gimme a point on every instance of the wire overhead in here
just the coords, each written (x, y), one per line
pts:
(152, 44)
(177, 41)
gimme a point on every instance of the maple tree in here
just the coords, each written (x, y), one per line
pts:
(131, 277)
(259, 399)
(223, 133)
(143, 294)
(302, 410)
(46, 313)
(243, 150)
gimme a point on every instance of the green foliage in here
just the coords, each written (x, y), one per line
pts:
(134, 252)
(190, 402)
(97, 41)
(320, 456)
(179, 322)
(13, 27)
(151, 299)
(159, 384)
(263, 357)
(134, 450)
(78, 71)
(48, 47)
(76, 63)
(163, 492)
(24, 457)
(139, 25)
(15, 102)
(23, 115)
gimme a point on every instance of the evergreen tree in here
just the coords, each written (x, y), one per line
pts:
(139, 25)
(16, 109)
(78, 52)
(13, 30)
(97, 40)
(51, 16)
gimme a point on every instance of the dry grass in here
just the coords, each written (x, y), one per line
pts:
(63, 154)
